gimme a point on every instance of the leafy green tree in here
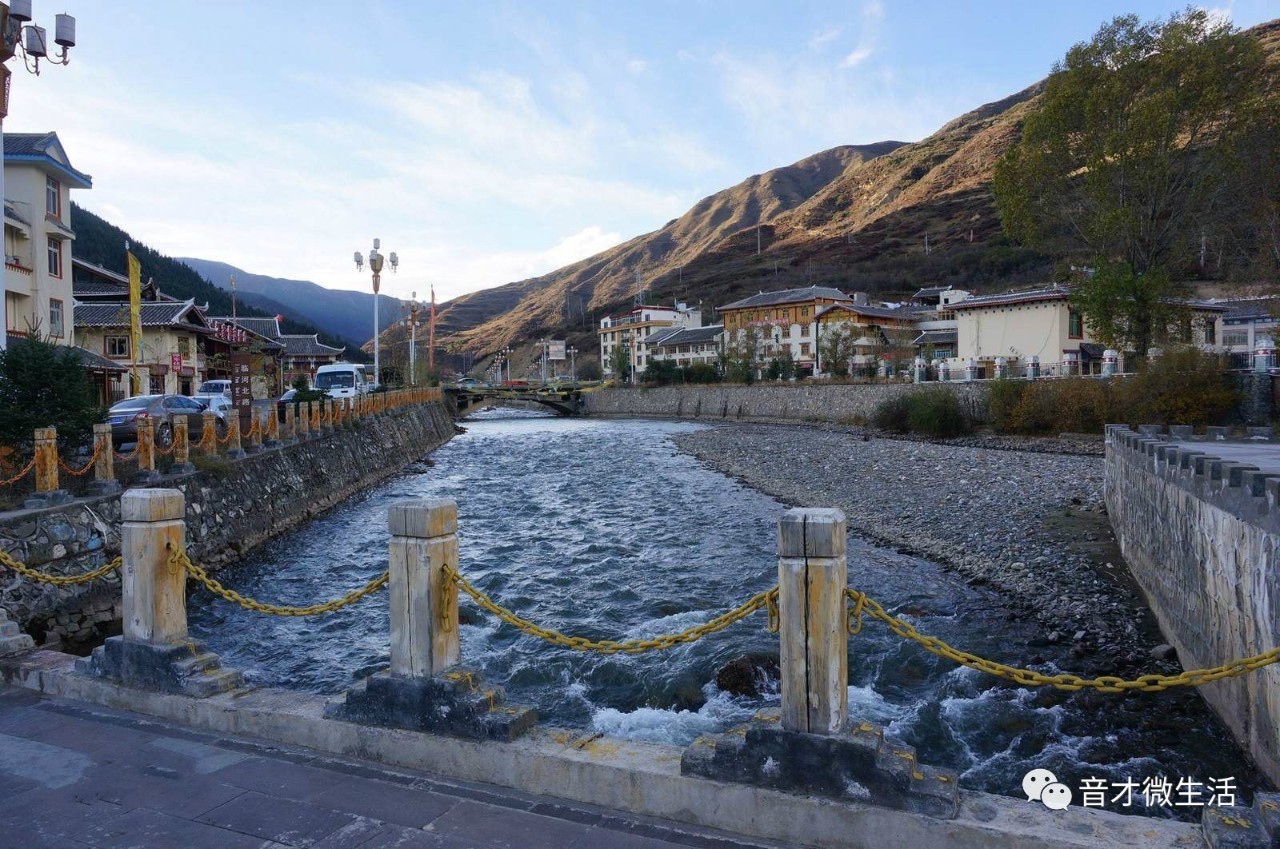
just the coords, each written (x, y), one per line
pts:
(45, 385)
(741, 356)
(660, 372)
(835, 348)
(620, 363)
(590, 370)
(1127, 161)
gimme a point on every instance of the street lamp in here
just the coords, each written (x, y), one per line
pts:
(413, 340)
(375, 265)
(506, 358)
(14, 27)
(573, 364)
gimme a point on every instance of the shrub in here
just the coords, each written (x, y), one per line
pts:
(1003, 397)
(1072, 405)
(934, 411)
(702, 373)
(892, 415)
(1182, 386)
(45, 385)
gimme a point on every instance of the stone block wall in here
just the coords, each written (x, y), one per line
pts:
(1202, 537)
(789, 402)
(228, 513)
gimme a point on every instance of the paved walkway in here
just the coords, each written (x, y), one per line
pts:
(74, 775)
(1264, 455)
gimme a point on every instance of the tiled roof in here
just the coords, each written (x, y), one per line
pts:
(11, 211)
(787, 296)
(662, 335)
(1049, 293)
(307, 346)
(46, 149)
(1092, 350)
(151, 313)
(267, 327)
(261, 341)
(930, 292)
(1250, 307)
(692, 335)
(936, 337)
(872, 312)
(97, 362)
(97, 270)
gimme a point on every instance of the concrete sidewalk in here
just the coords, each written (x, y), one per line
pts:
(74, 775)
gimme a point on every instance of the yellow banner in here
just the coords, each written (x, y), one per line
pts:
(135, 318)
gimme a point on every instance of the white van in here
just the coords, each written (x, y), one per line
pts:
(341, 380)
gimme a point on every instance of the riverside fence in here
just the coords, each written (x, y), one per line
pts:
(267, 429)
(810, 746)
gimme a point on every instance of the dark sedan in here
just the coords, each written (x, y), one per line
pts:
(125, 415)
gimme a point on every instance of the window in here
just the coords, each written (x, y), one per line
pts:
(55, 257)
(804, 349)
(1232, 338)
(157, 384)
(1210, 328)
(184, 347)
(52, 198)
(118, 347)
(55, 317)
(1075, 324)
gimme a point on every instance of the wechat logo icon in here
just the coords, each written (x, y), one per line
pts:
(1041, 785)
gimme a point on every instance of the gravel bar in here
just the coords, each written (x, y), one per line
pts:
(1030, 524)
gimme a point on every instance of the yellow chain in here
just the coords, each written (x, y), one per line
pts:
(1027, 677)
(178, 557)
(75, 473)
(130, 455)
(56, 580)
(31, 464)
(765, 599)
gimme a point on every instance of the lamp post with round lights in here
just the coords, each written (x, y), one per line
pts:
(506, 358)
(19, 36)
(573, 364)
(375, 266)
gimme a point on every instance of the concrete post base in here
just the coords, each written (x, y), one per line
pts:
(12, 640)
(1237, 827)
(110, 487)
(183, 668)
(235, 454)
(858, 765)
(454, 703)
(147, 478)
(182, 468)
(46, 499)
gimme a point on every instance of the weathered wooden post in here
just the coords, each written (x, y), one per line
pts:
(424, 537)
(234, 451)
(256, 424)
(181, 446)
(209, 433)
(104, 467)
(155, 651)
(315, 416)
(289, 423)
(303, 420)
(425, 688)
(814, 645)
(46, 459)
(273, 426)
(146, 450)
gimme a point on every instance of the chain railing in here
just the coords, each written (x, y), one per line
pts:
(178, 557)
(766, 599)
(1151, 683)
(86, 468)
(58, 580)
(31, 464)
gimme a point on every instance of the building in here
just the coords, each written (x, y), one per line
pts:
(936, 321)
(1039, 327)
(298, 356)
(175, 338)
(686, 346)
(1248, 323)
(868, 334)
(783, 321)
(38, 179)
(631, 330)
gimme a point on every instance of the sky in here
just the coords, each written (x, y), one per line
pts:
(487, 142)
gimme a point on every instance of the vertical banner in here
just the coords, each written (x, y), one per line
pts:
(135, 319)
(242, 386)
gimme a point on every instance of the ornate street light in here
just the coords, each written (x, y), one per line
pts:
(506, 358)
(375, 265)
(573, 364)
(32, 42)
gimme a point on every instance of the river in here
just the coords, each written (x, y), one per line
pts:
(605, 529)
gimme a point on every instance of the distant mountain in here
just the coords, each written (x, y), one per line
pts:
(102, 243)
(344, 313)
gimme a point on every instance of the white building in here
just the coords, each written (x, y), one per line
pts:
(38, 178)
(785, 320)
(632, 330)
(686, 346)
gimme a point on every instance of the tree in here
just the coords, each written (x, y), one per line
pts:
(590, 370)
(741, 355)
(835, 348)
(45, 385)
(1126, 163)
(620, 362)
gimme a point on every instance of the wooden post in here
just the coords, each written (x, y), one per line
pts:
(423, 538)
(315, 416)
(104, 469)
(146, 436)
(209, 433)
(181, 442)
(812, 576)
(154, 591)
(289, 425)
(46, 439)
(273, 425)
(303, 420)
(257, 423)
(233, 435)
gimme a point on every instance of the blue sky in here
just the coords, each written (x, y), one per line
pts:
(487, 142)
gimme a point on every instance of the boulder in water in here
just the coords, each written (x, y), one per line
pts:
(748, 675)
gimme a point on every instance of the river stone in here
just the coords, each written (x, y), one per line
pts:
(1164, 651)
(748, 675)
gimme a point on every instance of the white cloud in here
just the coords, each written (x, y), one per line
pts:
(823, 37)
(857, 57)
(1219, 14)
(868, 36)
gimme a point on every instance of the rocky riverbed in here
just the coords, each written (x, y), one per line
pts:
(1030, 524)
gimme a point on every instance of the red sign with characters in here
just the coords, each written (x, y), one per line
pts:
(175, 362)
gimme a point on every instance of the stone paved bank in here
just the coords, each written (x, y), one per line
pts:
(228, 513)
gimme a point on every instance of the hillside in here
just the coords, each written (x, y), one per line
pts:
(345, 313)
(856, 217)
(102, 243)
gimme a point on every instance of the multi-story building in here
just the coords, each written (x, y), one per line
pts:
(868, 334)
(299, 355)
(171, 357)
(784, 321)
(1247, 324)
(686, 346)
(631, 331)
(936, 321)
(38, 179)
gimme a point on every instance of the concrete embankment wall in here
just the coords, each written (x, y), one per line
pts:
(834, 403)
(228, 513)
(1202, 537)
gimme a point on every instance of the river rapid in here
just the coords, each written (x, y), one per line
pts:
(605, 529)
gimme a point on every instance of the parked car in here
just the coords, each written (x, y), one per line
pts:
(218, 403)
(343, 380)
(215, 387)
(282, 402)
(469, 383)
(125, 415)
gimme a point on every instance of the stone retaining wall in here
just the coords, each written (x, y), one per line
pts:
(228, 512)
(809, 402)
(1202, 537)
